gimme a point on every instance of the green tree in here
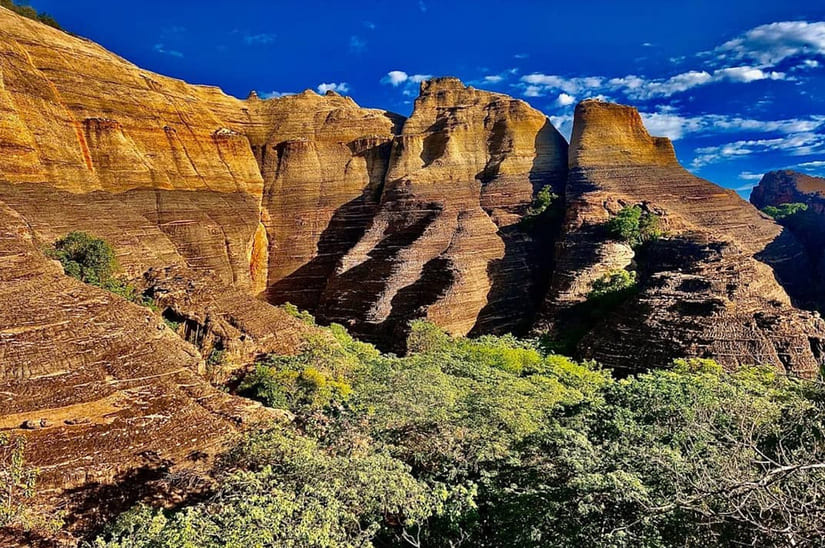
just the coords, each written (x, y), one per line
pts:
(85, 257)
(635, 226)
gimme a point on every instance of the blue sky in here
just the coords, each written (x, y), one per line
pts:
(738, 84)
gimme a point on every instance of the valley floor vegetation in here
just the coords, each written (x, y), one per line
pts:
(491, 442)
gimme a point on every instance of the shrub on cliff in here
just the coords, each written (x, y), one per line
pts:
(92, 260)
(635, 226)
(85, 257)
(783, 211)
(31, 13)
(614, 284)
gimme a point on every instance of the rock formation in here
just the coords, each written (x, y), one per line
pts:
(717, 285)
(447, 242)
(785, 187)
(218, 207)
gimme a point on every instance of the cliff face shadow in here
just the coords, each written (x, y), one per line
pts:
(795, 268)
(348, 224)
(513, 301)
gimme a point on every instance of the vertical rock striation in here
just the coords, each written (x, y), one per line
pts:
(446, 242)
(717, 285)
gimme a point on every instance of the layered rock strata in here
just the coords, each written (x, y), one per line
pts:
(717, 285)
(448, 242)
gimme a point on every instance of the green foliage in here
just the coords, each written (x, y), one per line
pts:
(489, 442)
(635, 226)
(543, 201)
(93, 260)
(30, 12)
(302, 315)
(616, 283)
(89, 259)
(17, 490)
(281, 489)
(783, 211)
(17, 482)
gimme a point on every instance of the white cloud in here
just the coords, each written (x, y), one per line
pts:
(521, 55)
(563, 123)
(747, 74)
(160, 48)
(797, 144)
(493, 79)
(564, 99)
(750, 176)
(395, 78)
(275, 94)
(259, 39)
(812, 164)
(340, 87)
(667, 123)
(770, 44)
(409, 83)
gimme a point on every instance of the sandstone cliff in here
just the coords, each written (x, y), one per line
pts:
(784, 187)
(447, 242)
(717, 285)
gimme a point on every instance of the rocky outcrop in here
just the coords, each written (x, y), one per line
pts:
(718, 285)
(286, 198)
(108, 387)
(448, 242)
(789, 187)
(786, 186)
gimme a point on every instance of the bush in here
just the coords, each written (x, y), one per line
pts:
(31, 13)
(487, 442)
(783, 211)
(93, 260)
(635, 226)
(614, 283)
(89, 259)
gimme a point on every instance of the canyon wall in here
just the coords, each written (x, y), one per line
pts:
(720, 283)
(791, 187)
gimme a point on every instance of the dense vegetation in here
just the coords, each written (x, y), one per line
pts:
(490, 442)
(635, 226)
(93, 261)
(783, 211)
(30, 12)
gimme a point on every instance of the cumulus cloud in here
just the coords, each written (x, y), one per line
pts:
(747, 74)
(768, 45)
(340, 87)
(564, 99)
(261, 39)
(160, 48)
(408, 82)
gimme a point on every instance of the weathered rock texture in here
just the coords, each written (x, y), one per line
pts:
(108, 387)
(718, 285)
(448, 242)
(783, 187)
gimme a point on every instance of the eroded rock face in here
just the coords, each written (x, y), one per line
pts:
(446, 242)
(784, 187)
(108, 386)
(708, 289)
